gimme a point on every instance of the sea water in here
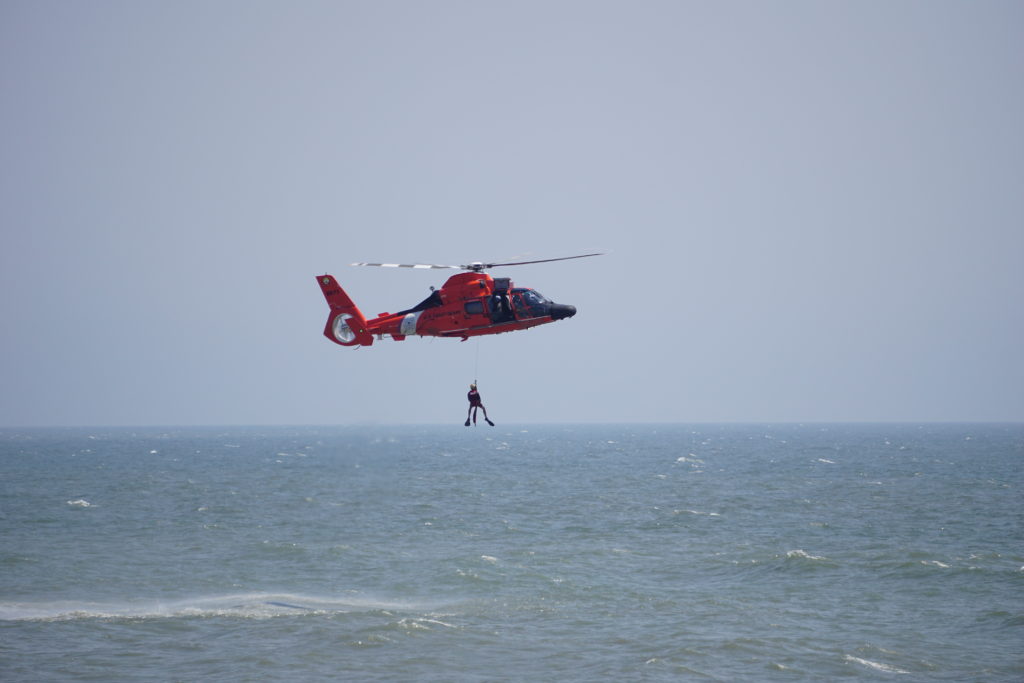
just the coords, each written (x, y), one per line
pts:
(581, 552)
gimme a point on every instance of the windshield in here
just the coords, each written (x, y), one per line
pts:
(533, 298)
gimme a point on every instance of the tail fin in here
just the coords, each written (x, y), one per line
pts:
(345, 323)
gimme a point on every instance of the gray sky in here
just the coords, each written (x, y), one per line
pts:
(814, 210)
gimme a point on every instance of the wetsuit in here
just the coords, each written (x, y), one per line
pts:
(474, 404)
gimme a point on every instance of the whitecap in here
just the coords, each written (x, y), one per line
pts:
(804, 555)
(413, 624)
(877, 666)
(243, 605)
(488, 558)
(827, 461)
(696, 512)
(80, 503)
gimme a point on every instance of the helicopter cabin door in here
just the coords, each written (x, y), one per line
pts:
(500, 304)
(520, 306)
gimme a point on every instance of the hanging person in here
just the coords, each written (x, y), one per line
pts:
(474, 404)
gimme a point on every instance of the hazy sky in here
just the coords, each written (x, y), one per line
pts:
(814, 211)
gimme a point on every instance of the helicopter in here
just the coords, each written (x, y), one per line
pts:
(469, 304)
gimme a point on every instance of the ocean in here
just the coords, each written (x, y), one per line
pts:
(523, 553)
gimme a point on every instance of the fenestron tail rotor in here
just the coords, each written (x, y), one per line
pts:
(476, 266)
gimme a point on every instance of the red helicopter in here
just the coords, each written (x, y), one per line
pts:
(467, 305)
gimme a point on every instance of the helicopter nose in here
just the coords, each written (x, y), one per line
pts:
(559, 311)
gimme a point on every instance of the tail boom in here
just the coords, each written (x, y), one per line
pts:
(346, 324)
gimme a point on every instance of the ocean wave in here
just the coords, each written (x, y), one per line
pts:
(877, 666)
(422, 623)
(763, 564)
(935, 563)
(804, 555)
(915, 567)
(242, 605)
(696, 512)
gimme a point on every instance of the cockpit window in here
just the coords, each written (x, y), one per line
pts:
(533, 297)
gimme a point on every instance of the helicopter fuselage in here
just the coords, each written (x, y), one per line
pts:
(467, 305)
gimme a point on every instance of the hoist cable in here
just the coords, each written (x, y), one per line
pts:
(476, 366)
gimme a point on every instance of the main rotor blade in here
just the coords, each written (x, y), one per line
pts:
(404, 265)
(545, 260)
(476, 266)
